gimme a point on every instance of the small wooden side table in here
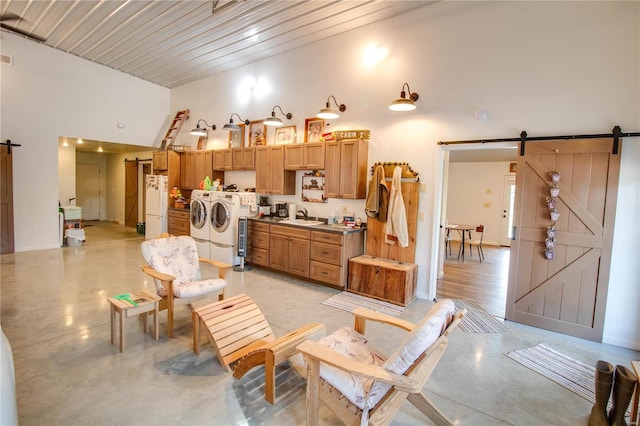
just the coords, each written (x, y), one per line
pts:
(145, 301)
(635, 365)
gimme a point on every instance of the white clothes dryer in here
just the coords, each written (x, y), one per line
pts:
(226, 209)
(200, 208)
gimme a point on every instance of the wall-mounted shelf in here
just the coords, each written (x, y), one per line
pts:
(313, 188)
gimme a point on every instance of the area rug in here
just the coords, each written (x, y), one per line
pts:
(477, 320)
(348, 301)
(570, 373)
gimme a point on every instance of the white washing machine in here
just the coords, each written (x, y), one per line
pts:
(226, 208)
(199, 221)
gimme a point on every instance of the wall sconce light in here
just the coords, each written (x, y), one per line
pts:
(402, 103)
(202, 131)
(329, 113)
(275, 121)
(231, 126)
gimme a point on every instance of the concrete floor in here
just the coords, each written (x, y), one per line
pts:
(55, 314)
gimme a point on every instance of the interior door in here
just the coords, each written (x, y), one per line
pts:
(131, 193)
(568, 293)
(506, 221)
(88, 190)
(6, 202)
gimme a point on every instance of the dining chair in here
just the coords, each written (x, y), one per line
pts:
(447, 243)
(477, 243)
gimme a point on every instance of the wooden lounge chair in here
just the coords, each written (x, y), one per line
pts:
(359, 385)
(174, 265)
(242, 338)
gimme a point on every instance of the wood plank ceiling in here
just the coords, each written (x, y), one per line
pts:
(174, 42)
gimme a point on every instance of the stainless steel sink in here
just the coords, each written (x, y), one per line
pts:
(302, 222)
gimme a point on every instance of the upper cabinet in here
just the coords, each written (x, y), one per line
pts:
(196, 165)
(243, 158)
(271, 177)
(222, 160)
(308, 156)
(346, 169)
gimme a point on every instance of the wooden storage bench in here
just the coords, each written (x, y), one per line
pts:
(384, 279)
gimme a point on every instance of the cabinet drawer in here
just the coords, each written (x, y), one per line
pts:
(327, 237)
(258, 256)
(179, 225)
(179, 214)
(259, 239)
(329, 253)
(324, 272)
(258, 226)
(290, 231)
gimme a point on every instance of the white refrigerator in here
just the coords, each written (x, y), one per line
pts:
(157, 193)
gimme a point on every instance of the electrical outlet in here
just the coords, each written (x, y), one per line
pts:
(423, 187)
(421, 216)
(486, 205)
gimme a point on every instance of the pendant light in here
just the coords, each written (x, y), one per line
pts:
(329, 113)
(202, 131)
(231, 126)
(402, 103)
(274, 121)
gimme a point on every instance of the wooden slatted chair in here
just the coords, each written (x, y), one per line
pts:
(359, 385)
(242, 338)
(174, 265)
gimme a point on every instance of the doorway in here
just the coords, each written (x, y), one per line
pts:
(478, 189)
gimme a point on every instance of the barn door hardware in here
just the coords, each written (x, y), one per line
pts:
(9, 144)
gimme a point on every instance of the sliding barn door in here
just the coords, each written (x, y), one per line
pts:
(568, 293)
(131, 193)
(6, 201)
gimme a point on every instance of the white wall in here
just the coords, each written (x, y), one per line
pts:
(47, 94)
(545, 67)
(474, 196)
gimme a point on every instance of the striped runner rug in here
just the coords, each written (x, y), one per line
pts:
(477, 320)
(348, 301)
(570, 373)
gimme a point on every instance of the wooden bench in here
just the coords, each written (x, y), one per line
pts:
(242, 338)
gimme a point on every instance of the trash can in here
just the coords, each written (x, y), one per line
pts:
(74, 237)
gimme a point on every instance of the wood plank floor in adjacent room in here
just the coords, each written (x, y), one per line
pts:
(485, 282)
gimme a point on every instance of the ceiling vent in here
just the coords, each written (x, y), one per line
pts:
(6, 59)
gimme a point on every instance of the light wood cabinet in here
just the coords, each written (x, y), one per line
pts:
(178, 222)
(384, 279)
(346, 169)
(222, 159)
(258, 243)
(188, 170)
(289, 250)
(330, 253)
(243, 158)
(308, 156)
(271, 177)
(195, 166)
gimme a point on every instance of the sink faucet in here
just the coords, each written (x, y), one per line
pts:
(304, 213)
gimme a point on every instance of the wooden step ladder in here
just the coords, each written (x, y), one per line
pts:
(174, 128)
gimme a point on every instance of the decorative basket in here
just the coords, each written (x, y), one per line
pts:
(179, 205)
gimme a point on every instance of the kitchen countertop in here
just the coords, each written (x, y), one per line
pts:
(325, 227)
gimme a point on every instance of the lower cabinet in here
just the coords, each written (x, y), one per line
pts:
(258, 243)
(384, 279)
(321, 256)
(178, 222)
(289, 250)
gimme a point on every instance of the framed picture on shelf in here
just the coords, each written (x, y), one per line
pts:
(236, 139)
(257, 133)
(285, 135)
(313, 129)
